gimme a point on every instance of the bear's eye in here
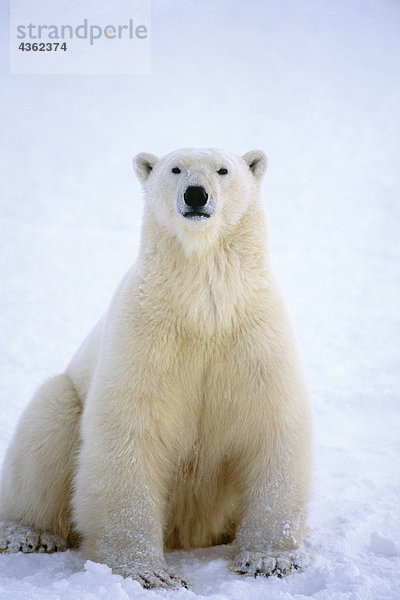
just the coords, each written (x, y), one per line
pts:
(175, 170)
(222, 171)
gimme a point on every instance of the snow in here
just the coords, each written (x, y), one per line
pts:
(315, 85)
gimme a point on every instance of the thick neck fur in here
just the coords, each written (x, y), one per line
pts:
(209, 289)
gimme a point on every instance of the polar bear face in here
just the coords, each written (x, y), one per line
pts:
(199, 195)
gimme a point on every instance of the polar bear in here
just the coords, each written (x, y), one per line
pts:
(182, 421)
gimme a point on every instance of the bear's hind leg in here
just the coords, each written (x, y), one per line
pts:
(35, 490)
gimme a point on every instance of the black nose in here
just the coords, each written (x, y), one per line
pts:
(195, 196)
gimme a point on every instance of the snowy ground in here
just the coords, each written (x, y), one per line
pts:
(317, 86)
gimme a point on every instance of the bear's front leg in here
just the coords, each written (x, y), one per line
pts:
(269, 538)
(119, 491)
(273, 436)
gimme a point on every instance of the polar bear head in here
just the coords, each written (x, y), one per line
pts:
(200, 195)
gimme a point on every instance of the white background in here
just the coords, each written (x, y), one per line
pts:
(316, 85)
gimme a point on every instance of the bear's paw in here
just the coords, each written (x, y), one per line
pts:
(15, 537)
(149, 578)
(279, 563)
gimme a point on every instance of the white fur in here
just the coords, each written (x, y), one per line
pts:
(191, 409)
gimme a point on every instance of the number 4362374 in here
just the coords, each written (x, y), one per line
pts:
(42, 47)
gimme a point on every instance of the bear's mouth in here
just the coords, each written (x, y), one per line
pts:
(196, 215)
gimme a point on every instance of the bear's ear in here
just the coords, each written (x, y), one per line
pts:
(143, 164)
(257, 161)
